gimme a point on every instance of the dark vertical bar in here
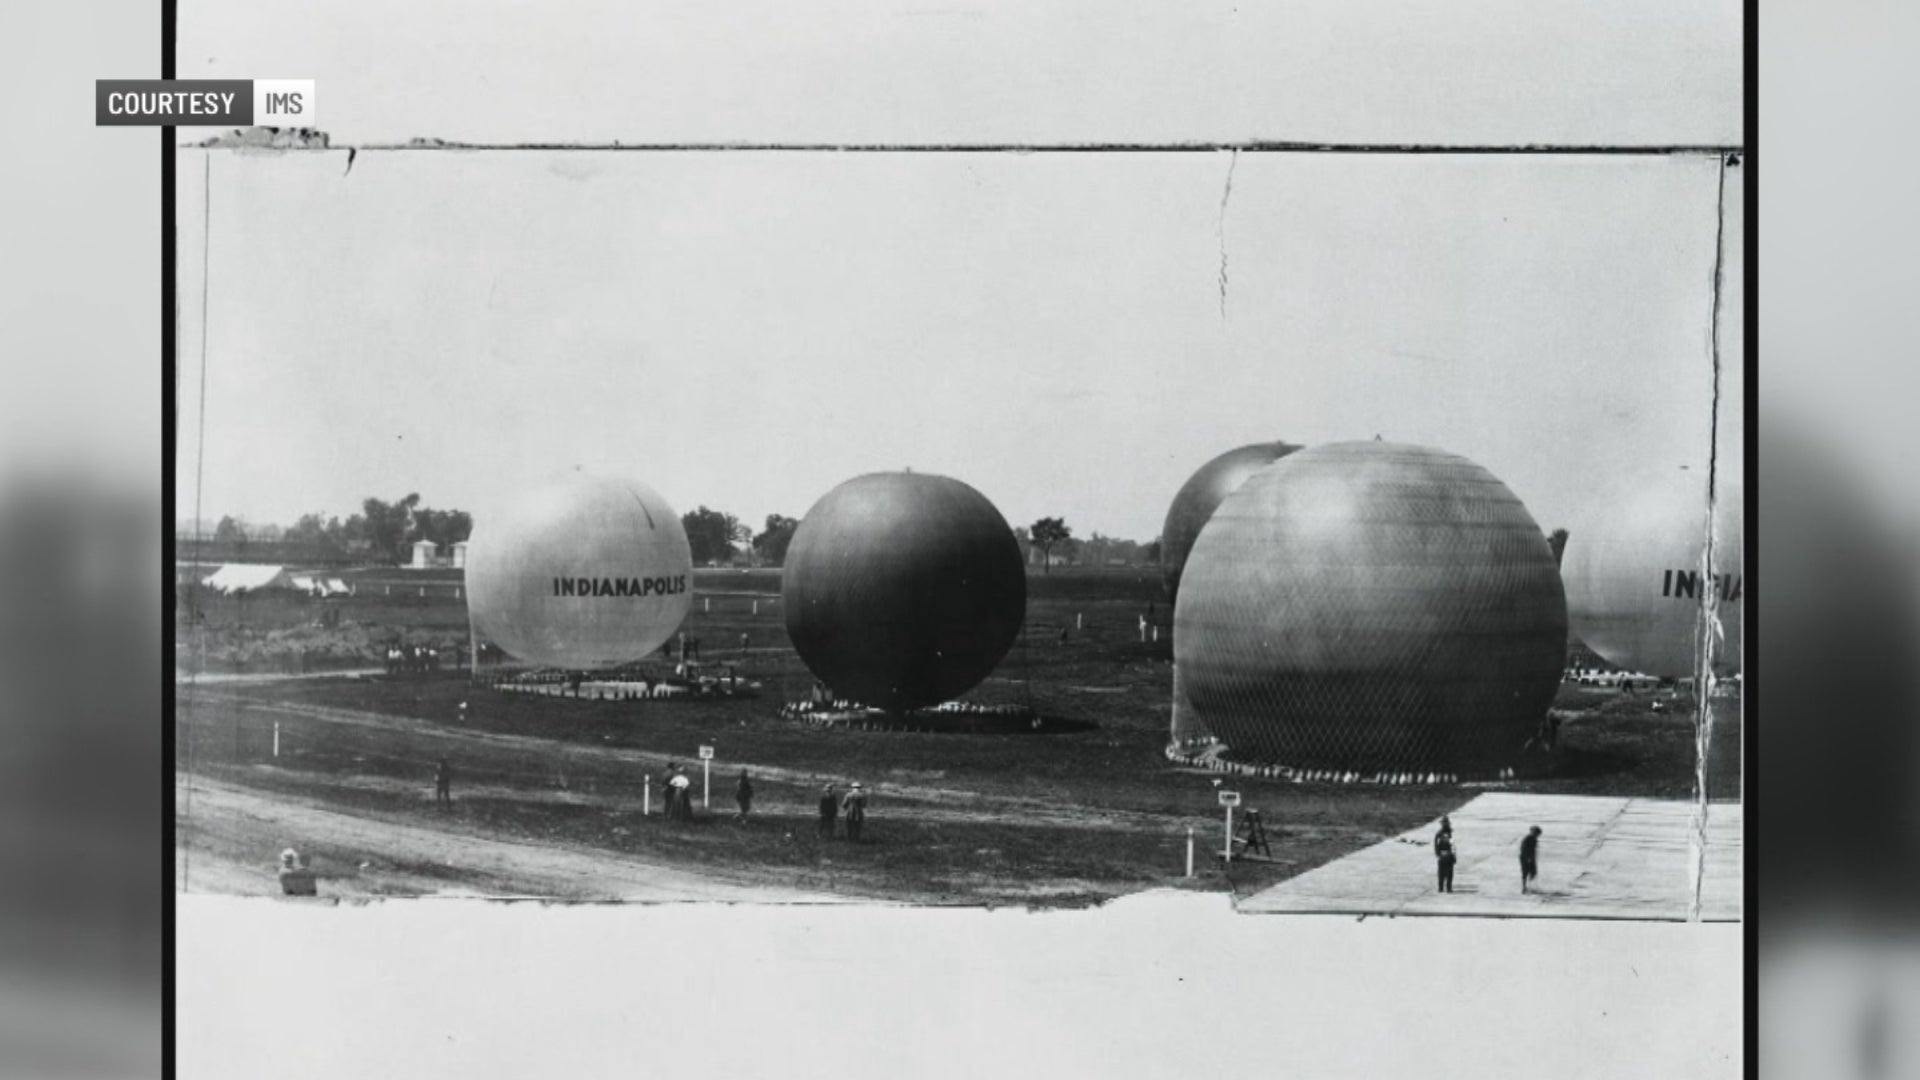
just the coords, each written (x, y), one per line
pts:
(170, 442)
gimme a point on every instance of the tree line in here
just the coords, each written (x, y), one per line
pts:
(386, 532)
(381, 532)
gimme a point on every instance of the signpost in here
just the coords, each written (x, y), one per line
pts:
(1229, 799)
(706, 773)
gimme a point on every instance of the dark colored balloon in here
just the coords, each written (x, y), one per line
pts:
(1201, 495)
(903, 589)
(1372, 606)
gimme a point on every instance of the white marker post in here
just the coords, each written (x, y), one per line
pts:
(706, 771)
(276, 738)
(756, 607)
(1189, 851)
(1079, 621)
(1229, 799)
(646, 796)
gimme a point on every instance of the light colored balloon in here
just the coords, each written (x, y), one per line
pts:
(589, 571)
(1369, 605)
(1638, 589)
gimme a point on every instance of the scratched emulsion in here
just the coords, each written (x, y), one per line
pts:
(1712, 634)
(1226, 193)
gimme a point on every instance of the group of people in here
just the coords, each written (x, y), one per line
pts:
(412, 658)
(679, 794)
(1445, 856)
(853, 805)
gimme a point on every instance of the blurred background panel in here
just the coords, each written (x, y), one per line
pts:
(1839, 841)
(80, 609)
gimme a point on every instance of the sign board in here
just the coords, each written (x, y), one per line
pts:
(1229, 798)
(706, 753)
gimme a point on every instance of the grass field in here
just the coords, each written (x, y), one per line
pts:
(1049, 819)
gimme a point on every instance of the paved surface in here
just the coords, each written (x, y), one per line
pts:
(1600, 858)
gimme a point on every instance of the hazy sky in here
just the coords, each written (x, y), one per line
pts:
(748, 330)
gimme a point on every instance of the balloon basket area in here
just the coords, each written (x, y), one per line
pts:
(680, 682)
(1212, 755)
(949, 718)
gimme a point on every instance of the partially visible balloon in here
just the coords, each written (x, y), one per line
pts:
(1638, 589)
(1372, 606)
(1201, 495)
(903, 589)
(586, 572)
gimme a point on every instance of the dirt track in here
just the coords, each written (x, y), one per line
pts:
(229, 837)
(963, 805)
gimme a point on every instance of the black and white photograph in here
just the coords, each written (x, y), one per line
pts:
(864, 461)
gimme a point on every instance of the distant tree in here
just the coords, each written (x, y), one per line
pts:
(348, 534)
(1557, 540)
(310, 529)
(1046, 533)
(742, 541)
(772, 543)
(1151, 552)
(710, 534)
(389, 525)
(230, 531)
(443, 527)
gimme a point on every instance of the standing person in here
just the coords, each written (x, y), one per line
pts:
(682, 788)
(1444, 855)
(743, 643)
(856, 808)
(1529, 859)
(743, 795)
(829, 811)
(443, 783)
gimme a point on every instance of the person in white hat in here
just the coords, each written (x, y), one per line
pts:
(855, 807)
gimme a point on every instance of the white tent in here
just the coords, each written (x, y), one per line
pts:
(247, 577)
(333, 586)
